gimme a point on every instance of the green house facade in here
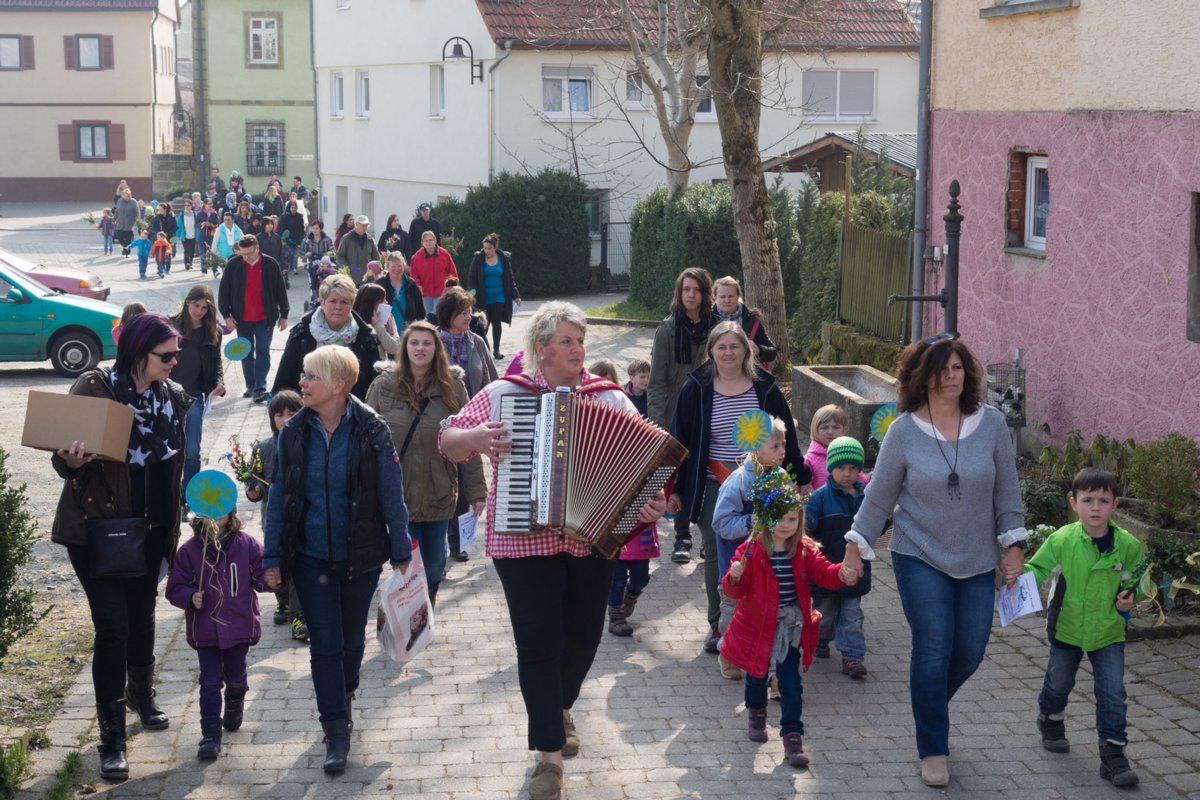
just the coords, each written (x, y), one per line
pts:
(254, 90)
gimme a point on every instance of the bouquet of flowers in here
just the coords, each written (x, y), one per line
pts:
(89, 218)
(772, 495)
(247, 468)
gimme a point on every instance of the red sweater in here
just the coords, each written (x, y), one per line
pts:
(751, 632)
(430, 271)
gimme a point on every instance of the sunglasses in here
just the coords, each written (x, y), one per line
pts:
(166, 357)
(941, 337)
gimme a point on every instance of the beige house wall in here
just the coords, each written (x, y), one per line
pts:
(1098, 54)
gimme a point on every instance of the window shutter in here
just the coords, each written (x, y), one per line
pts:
(26, 52)
(70, 52)
(116, 142)
(66, 142)
(106, 52)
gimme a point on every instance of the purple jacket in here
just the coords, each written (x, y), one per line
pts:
(232, 580)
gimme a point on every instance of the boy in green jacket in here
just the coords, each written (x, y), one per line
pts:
(1098, 562)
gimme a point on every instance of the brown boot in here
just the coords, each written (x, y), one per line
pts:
(756, 724)
(546, 782)
(571, 745)
(793, 750)
(617, 621)
(629, 601)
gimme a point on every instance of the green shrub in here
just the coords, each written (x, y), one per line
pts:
(1113, 455)
(814, 298)
(1165, 474)
(1045, 503)
(13, 760)
(1038, 536)
(1168, 556)
(17, 531)
(541, 219)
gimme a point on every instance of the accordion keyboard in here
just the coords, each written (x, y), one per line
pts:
(515, 479)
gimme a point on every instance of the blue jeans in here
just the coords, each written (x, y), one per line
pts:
(430, 304)
(842, 622)
(791, 693)
(256, 365)
(951, 620)
(336, 612)
(193, 427)
(1108, 673)
(632, 574)
(431, 538)
(143, 262)
(108, 245)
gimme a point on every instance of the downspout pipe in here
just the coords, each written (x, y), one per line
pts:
(921, 204)
(492, 108)
(312, 61)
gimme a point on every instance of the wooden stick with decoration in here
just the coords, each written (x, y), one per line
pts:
(237, 350)
(212, 496)
(750, 432)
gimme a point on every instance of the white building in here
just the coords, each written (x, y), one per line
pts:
(399, 125)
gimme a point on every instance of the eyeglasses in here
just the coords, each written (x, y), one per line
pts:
(309, 377)
(166, 357)
(941, 337)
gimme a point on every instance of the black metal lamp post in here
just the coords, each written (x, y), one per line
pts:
(948, 296)
(457, 53)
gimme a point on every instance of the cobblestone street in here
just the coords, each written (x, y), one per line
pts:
(656, 718)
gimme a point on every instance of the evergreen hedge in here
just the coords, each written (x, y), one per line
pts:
(18, 531)
(541, 220)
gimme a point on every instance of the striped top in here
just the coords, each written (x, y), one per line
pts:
(725, 411)
(781, 563)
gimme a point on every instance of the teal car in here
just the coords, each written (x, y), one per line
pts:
(37, 323)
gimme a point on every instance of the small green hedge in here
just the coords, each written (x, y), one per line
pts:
(541, 220)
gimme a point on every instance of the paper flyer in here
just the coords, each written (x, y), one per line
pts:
(1018, 600)
(468, 525)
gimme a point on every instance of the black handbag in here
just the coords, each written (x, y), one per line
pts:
(116, 546)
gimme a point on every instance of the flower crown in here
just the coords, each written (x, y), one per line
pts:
(773, 495)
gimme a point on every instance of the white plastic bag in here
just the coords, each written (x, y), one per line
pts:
(404, 622)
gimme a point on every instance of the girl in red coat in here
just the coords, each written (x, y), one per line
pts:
(774, 627)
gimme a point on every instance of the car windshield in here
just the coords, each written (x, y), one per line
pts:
(21, 275)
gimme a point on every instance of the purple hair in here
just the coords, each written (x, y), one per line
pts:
(139, 337)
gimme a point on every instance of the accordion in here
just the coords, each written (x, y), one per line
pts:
(581, 466)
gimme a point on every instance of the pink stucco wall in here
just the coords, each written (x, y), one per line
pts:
(1102, 321)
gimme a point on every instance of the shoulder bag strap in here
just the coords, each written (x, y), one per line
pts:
(413, 428)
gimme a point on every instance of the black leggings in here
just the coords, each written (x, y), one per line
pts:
(122, 616)
(495, 316)
(556, 605)
(189, 251)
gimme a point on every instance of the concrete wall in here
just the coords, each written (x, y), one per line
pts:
(33, 103)
(1111, 54)
(236, 93)
(1102, 319)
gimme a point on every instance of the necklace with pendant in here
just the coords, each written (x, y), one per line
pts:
(952, 487)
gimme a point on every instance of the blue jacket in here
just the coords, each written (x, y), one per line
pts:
(731, 518)
(827, 517)
(142, 246)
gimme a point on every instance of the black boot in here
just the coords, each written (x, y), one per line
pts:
(234, 703)
(111, 716)
(1054, 734)
(433, 590)
(210, 738)
(1114, 766)
(139, 696)
(350, 708)
(337, 745)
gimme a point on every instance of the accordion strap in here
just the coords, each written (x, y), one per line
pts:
(590, 386)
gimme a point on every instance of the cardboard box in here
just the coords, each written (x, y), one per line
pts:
(53, 421)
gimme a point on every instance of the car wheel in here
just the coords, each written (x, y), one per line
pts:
(73, 352)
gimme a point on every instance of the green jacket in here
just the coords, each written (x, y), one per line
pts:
(1083, 610)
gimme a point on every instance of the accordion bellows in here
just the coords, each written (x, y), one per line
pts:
(581, 466)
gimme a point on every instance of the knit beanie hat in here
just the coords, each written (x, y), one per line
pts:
(844, 450)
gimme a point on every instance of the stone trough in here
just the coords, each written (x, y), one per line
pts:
(859, 389)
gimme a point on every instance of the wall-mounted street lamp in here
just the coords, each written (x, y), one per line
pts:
(457, 53)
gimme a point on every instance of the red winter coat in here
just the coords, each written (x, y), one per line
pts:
(751, 632)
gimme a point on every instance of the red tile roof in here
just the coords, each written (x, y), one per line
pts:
(597, 23)
(78, 5)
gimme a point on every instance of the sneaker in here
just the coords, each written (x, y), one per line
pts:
(855, 669)
(681, 554)
(546, 782)
(1054, 734)
(299, 630)
(260, 395)
(571, 745)
(822, 651)
(1114, 766)
(281, 614)
(710, 642)
(248, 393)
(729, 670)
(461, 556)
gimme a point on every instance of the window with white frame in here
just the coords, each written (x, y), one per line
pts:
(839, 94)
(264, 148)
(437, 90)
(10, 52)
(88, 52)
(635, 89)
(1037, 201)
(362, 97)
(263, 41)
(93, 142)
(705, 109)
(337, 95)
(568, 92)
(597, 211)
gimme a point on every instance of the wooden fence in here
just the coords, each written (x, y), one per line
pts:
(874, 265)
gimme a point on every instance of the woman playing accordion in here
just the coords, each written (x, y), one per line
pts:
(555, 586)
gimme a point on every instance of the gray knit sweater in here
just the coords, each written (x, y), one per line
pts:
(956, 536)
